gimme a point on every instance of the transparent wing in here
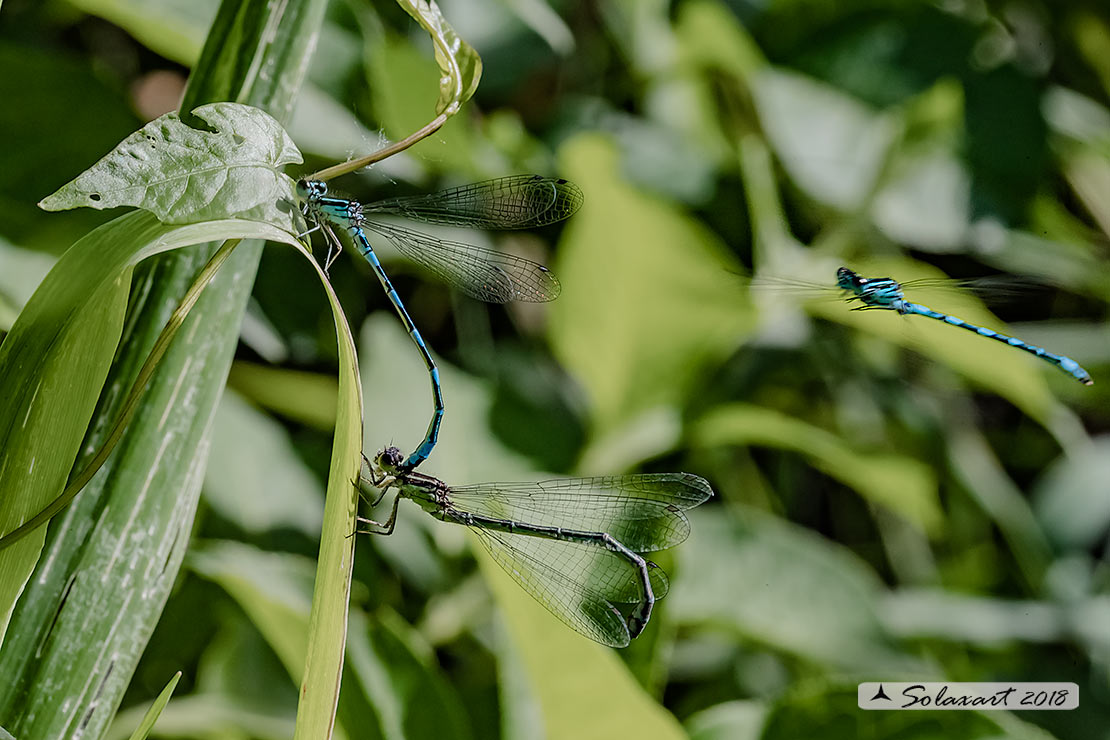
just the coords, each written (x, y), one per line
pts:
(485, 274)
(997, 288)
(577, 582)
(516, 202)
(644, 512)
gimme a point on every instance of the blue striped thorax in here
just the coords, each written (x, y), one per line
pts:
(876, 292)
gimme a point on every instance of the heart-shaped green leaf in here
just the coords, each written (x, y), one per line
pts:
(185, 175)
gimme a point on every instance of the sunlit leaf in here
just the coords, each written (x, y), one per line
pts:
(186, 175)
(648, 298)
(460, 65)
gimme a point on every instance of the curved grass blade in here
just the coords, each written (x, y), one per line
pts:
(461, 67)
(460, 64)
(143, 730)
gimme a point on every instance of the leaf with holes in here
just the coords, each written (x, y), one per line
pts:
(185, 175)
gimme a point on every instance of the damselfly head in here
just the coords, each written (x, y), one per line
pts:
(389, 460)
(848, 280)
(311, 189)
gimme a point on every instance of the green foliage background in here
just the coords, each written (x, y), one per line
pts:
(897, 499)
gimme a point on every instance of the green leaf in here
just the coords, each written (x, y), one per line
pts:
(399, 75)
(397, 674)
(678, 306)
(832, 145)
(785, 587)
(303, 396)
(55, 359)
(88, 591)
(903, 485)
(731, 720)
(254, 476)
(174, 29)
(210, 715)
(398, 407)
(155, 710)
(460, 64)
(566, 669)
(964, 619)
(272, 588)
(327, 622)
(23, 271)
(186, 175)
(1070, 500)
(833, 709)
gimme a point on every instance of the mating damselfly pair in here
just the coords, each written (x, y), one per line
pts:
(576, 545)
(515, 202)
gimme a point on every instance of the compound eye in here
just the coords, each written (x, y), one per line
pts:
(311, 189)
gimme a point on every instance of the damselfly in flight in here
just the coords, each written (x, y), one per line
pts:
(574, 544)
(516, 202)
(887, 294)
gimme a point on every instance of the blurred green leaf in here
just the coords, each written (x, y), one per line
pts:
(713, 37)
(34, 163)
(173, 28)
(733, 720)
(786, 588)
(254, 477)
(272, 588)
(306, 397)
(400, 77)
(925, 201)
(899, 483)
(1070, 501)
(23, 271)
(834, 708)
(208, 715)
(568, 670)
(323, 126)
(677, 307)
(833, 146)
(398, 407)
(185, 175)
(920, 613)
(397, 671)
